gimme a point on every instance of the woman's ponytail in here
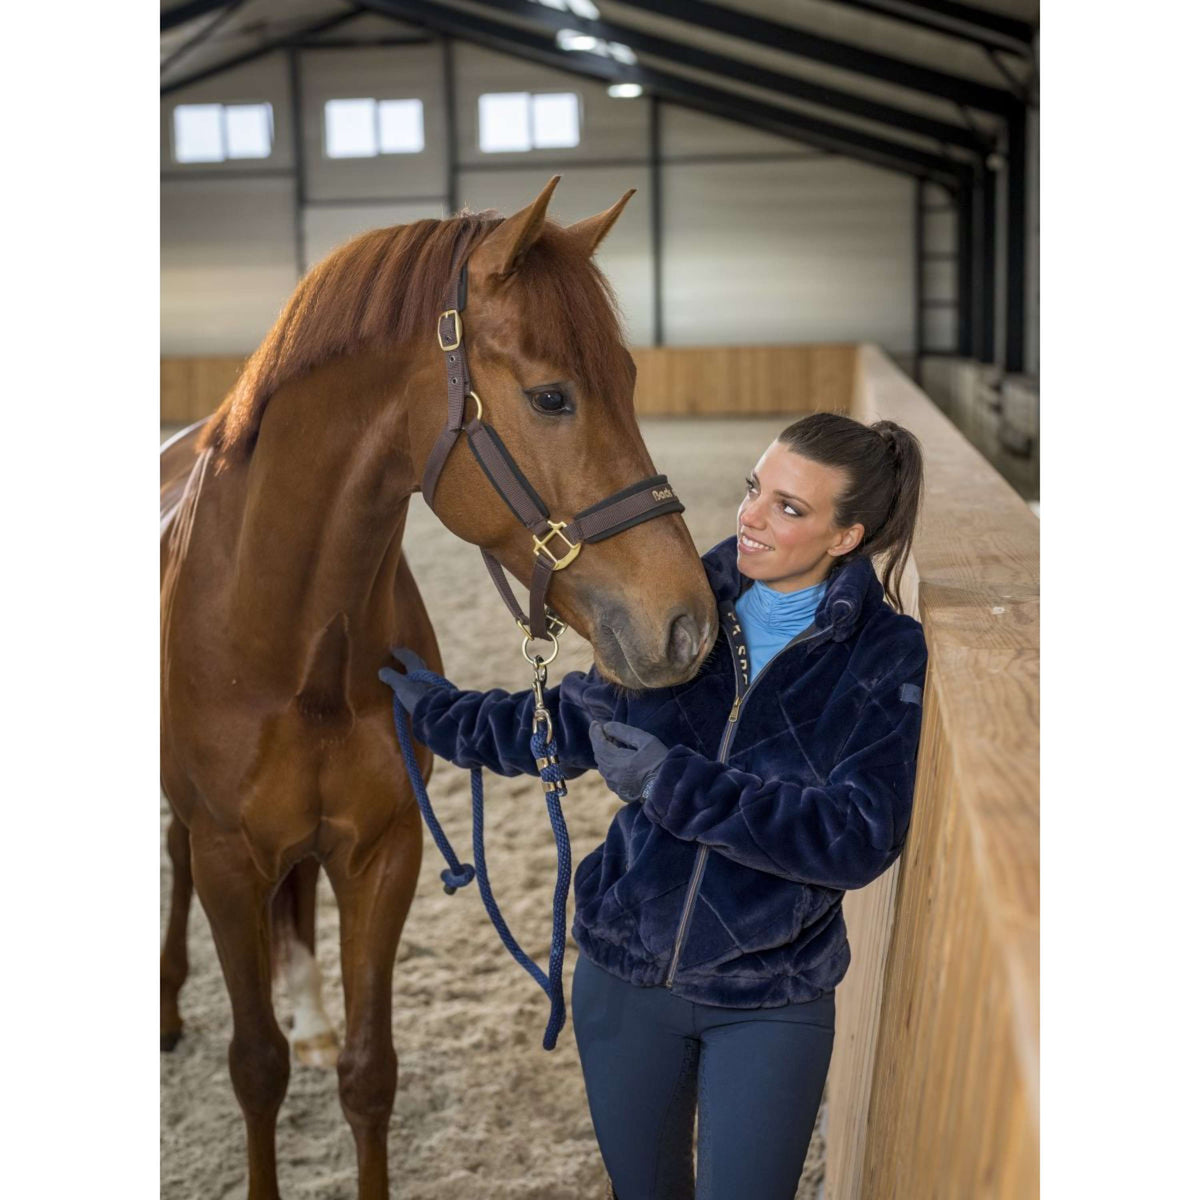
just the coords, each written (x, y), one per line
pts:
(893, 539)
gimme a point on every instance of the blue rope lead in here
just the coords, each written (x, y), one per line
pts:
(459, 874)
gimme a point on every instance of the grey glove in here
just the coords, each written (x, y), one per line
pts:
(626, 756)
(408, 690)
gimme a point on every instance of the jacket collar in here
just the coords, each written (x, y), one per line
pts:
(853, 590)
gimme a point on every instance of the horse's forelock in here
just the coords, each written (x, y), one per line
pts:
(569, 314)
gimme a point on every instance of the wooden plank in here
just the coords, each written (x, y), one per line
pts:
(191, 387)
(725, 381)
(709, 381)
(934, 1082)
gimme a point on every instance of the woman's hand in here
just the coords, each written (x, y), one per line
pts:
(408, 690)
(626, 756)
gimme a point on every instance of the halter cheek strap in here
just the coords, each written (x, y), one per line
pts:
(556, 544)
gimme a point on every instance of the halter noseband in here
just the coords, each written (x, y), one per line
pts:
(556, 544)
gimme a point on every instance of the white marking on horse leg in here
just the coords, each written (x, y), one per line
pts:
(313, 1039)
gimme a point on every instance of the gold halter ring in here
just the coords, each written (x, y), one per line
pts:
(537, 659)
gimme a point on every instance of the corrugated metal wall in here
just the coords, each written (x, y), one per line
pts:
(764, 240)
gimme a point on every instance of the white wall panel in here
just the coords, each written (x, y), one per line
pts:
(809, 251)
(380, 73)
(328, 226)
(228, 262)
(624, 255)
(941, 280)
(941, 232)
(684, 132)
(608, 128)
(941, 330)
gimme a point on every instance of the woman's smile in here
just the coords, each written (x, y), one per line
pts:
(749, 545)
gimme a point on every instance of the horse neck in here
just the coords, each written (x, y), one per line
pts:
(327, 491)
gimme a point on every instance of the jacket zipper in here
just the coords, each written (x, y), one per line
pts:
(730, 726)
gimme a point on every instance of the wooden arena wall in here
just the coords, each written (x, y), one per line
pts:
(933, 1088)
(672, 381)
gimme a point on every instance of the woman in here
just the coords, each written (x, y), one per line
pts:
(709, 922)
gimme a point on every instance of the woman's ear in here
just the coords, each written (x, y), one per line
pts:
(848, 539)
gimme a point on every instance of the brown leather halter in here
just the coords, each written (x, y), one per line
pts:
(556, 544)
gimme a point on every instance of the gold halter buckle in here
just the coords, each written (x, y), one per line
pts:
(556, 530)
(446, 346)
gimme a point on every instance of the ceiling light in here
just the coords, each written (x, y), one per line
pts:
(569, 39)
(624, 91)
(581, 8)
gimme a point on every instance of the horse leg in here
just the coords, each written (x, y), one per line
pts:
(373, 904)
(236, 898)
(173, 964)
(294, 932)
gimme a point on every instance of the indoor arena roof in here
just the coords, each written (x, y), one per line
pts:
(926, 87)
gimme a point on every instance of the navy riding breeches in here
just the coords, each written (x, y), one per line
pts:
(651, 1061)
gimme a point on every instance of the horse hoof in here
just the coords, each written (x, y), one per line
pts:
(169, 1040)
(320, 1050)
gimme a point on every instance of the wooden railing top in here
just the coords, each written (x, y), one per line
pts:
(973, 581)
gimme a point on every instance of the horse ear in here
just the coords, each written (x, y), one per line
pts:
(500, 253)
(589, 232)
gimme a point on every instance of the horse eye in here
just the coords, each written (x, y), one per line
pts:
(549, 402)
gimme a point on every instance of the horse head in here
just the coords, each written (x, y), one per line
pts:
(551, 374)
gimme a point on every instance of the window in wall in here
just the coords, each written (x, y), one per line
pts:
(515, 121)
(365, 128)
(216, 132)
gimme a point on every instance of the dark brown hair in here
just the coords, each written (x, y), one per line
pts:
(885, 469)
(388, 286)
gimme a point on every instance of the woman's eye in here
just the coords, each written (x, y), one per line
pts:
(749, 485)
(549, 401)
(791, 512)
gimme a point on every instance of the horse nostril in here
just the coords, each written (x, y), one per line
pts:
(684, 641)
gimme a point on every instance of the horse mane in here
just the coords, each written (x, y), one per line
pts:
(385, 287)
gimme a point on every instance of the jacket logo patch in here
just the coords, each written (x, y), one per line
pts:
(910, 693)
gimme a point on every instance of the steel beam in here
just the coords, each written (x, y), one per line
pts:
(656, 215)
(181, 14)
(985, 283)
(831, 53)
(451, 101)
(982, 18)
(371, 43)
(300, 191)
(989, 267)
(966, 274)
(801, 127)
(979, 26)
(1014, 291)
(238, 60)
(200, 36)
(918, 278)
(750, 73)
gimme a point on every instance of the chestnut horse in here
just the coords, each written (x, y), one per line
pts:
(285, 584)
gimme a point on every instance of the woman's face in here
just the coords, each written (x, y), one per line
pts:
(786, 535)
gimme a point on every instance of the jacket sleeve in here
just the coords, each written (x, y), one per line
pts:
(492, 729)
(840, 834)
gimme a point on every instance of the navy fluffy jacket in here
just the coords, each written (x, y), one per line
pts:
(725, 883)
